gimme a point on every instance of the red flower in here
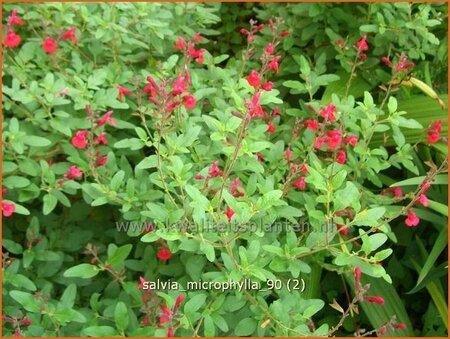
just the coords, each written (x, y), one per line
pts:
(123, 91)
(197, 38)
(259, 156)
(267, 86)
(164, 254)
(341, 157)
(412, 220)
(70, 34)
(269, 48)
(284, 34)
(179, 85)
(376, 299)
(229, 213)
(166, 314)
(199, 177)
(79, 140)
(312, 124)
(361, 45)
(304, 169)
(73, 173)
(318, 143)
(14, 19)
(437, 125)
(50, 45)
(101, 139)
(254, 79)
(343, 230)
(179, 301)
(101, 161)
(106, 118)
(196, 54)
(288, 154)
(351, 140)
(328, 112)
(403, 64)
(12, 39)
(398, 193)
(235, 187)
(400, 326)
(273, 65)
(181, 44)
(170, 332)
(243, 31)
(26, 322)
(433, 136)
(422, 199)
(8, 208)
(333, 139)
(300, 183)
(271, 127)
(189, 101)
(385, 60)
(382, 331)
(357, 274)
(255, 108)
(214, 170)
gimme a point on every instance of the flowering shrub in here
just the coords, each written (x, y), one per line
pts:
(158, 181)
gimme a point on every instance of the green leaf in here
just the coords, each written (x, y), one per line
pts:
(369, 217)
(50, 202)
(99, 331)
(208, 250)
(68, 298)
(245, 327)
(120, 254)
(121, 316)
(84, 271)
(149, 162)
(195, 303)
(27, 300)
(440, 179)
(35, 141)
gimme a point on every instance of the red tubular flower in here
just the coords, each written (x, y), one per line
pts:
(260, 157)
(288, 154)
(300, 184)
(343, 230)
(398, 192)
(403, 65)
(179, 85)
(189, 101)
(423, 200)
(8, 208)
(179, 301)
(357, 275)
(361, 45)
(333, 139)
(255, 109)
(197, 38)
(101, 161)
(123, 91)
(318, 143)
(341, 157)
(164, 253)
(214, 170)
(412, 220)
(181, 44)
(351, 140)
(400, 326)
(254, 79)
(285, 33)
(267, 86)
(271, 127)
(229, 213)
(79, 140)
(70, 34)
(385, 60)
(376, 299)
(312, 124)
(243, 31)
(328, 112)
(273, 65)
(73, 173)
(26, 322)
(12, 39)
(382, 331)
(50, 45)
(304, 169)
(170, 332)
(14, 19)
(165, 315)
(270, 49)
(107, 118)
(235, 188)
(433, 136)
(199, 177)
(101, 139)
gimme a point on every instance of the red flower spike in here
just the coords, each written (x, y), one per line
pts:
(50, 45)
(375, 300)
(300, 184)
(333, 139)
(273, 65)
(79, 140)
(271, 127)
(361, 45)
(179, 301)
(254, 79)
(270, 49)
(179, 85)
(8, 208)
(229, 213)
(341, 157)
(214, 170)
(12, 39)
(123, 91)
(412, 220)
(255, 109)
(73, 173)
(189, 101)
(164, 254)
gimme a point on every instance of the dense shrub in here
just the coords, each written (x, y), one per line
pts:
(290, 157)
